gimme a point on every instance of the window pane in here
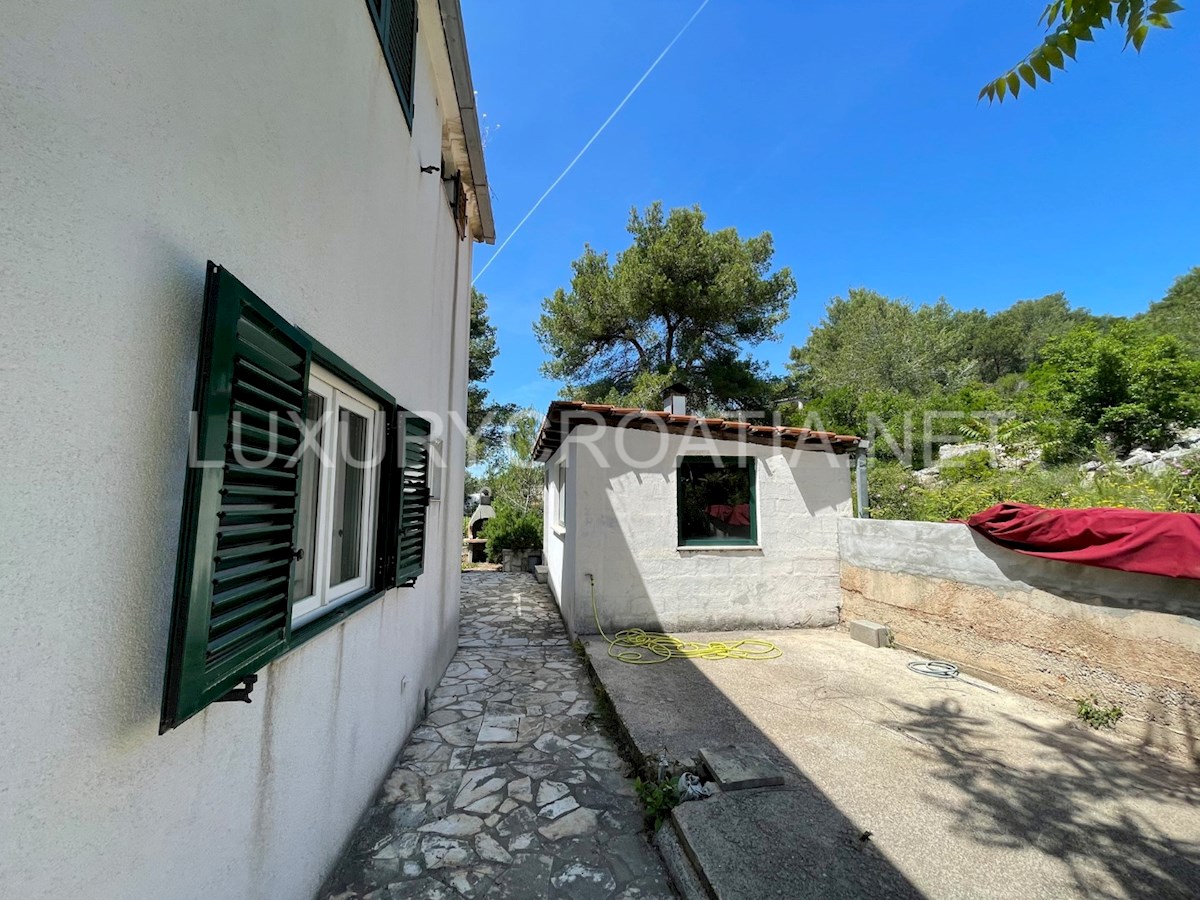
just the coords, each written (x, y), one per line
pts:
(349, 497)
(560, 490)
(714, 501)
(310, 481)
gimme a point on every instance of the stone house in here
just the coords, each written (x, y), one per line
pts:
(679, 522)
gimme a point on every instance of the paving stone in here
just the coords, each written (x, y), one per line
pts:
(507, 789)
(499, 729)
(456, 825)
(424, 889)
(521, 790)
(573, 824)
(408, 844)
(486, 805)
(583, 882)
(476, 788)
(549, 791)
(410, 815)
(442, 852)
(488, 848)
(558, 807)
(522, 841)
(519, 820)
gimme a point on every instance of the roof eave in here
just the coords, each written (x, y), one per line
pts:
(552, 435)
(484, 228)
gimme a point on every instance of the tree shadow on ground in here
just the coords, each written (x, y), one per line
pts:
(1071, 803)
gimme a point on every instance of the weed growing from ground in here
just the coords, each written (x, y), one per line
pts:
(1095, 714)
(658, 798)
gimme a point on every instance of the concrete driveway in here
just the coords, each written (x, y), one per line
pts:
(967, 790)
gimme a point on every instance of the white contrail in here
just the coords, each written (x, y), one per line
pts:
(591, 141)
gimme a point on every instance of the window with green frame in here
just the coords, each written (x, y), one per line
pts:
(716, 501)
(305, 499)
(396, 24)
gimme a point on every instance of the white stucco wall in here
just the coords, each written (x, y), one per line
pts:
(622, 529)
(136, 141)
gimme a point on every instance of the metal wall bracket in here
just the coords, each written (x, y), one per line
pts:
(240, 694)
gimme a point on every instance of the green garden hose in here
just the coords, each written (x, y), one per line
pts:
(643, 648)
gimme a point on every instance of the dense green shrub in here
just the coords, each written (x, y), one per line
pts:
(512, 529)
(896, 494)
(1125, 385)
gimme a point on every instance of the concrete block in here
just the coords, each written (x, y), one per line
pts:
(541, 573)
(870, 633)
(736, 768)
(783, 843)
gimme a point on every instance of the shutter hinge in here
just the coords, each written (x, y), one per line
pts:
(242, 693)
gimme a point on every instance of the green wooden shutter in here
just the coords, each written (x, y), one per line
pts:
(402, 47)
(413, 463)
(396, 25)
(240, 501)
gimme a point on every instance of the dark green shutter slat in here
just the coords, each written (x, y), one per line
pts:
(261, 337)
(251, 490)
(249, 369)
(253, 511)
(254, 346)
(266, 401)
(245, 595)
(413, 497)
(396, 25)
(402, 43)
(241, 572)
(252, 550)
(245, 432)
(250, 640)
(243, 409)
(230, 615)
(240, 614)
(237, 471)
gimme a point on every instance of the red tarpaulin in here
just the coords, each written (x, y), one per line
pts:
(731, 515)
(1155, 543)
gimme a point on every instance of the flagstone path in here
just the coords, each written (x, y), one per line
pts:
(508, 789)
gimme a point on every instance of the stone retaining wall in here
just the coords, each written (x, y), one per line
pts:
(1057, 631)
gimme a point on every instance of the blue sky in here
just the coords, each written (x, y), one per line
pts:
(850, 132)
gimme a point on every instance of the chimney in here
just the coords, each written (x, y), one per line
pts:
(675, 399)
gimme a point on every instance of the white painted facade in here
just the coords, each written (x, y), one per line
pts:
(138, 140)
(620, 527)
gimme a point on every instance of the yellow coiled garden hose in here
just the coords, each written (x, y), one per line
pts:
(644, 648)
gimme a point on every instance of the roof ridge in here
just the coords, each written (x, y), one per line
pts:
(549, 440)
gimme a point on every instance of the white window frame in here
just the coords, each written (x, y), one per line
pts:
(560, 496)
(340, 394)
(436, 469)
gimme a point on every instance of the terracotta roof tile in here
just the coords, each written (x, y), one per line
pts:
(558, 424)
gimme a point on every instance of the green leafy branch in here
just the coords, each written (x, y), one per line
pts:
(1069, 22)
